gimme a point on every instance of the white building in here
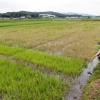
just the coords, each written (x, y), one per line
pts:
(22, 17)
(47, 16)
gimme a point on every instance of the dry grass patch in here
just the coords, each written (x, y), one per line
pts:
(93, 91)
(71, 38)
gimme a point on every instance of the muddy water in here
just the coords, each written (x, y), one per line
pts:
(80, 81)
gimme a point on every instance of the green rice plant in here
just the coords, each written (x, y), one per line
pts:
(68, 65)
(22, 22)
(6, 50)
(22, 83)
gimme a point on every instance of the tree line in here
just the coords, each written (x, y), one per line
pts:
(19, 14)
(34, 14)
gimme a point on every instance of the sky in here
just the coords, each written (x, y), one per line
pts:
(63, 6)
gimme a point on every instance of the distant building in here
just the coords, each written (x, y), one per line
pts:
(73, 17)
(47, 16)
(22, 17)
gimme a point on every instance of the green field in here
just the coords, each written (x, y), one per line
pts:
(7, 23)
(60, 45)
(22, 83)
(68, 65)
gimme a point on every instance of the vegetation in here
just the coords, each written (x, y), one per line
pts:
(22, 83)
(73, 38)
(39, 41)
(7, 23)
(35, 14)
(68, 65)
(92, 89)
(19, 14)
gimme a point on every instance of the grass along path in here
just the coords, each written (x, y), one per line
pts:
(68, 65)
(92, 89)
(22, 83)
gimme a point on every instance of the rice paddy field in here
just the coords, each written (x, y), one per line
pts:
(57, 46)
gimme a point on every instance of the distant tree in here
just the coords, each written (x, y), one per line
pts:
(34, 15)
(88, 17)
(28, 16)
(0, 15)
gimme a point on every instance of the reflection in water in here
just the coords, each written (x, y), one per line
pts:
(80, 81)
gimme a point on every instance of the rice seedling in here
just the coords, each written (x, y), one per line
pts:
(7, 23)
(22, 83)
(68, 65)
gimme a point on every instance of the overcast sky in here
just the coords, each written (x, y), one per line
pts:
(77, 6)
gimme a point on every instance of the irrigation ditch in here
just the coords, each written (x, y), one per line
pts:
(77, 83)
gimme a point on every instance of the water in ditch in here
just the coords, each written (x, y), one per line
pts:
(80, 81)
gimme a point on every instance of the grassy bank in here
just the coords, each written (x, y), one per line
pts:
(92, 89)
(22, 83)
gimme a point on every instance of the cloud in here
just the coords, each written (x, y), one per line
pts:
(80, 6)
